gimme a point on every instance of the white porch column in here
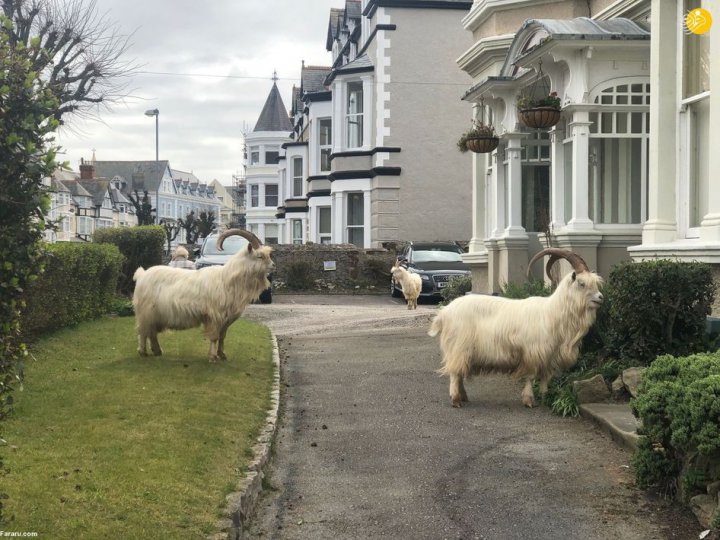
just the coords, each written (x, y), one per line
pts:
(479, 203)
(367, 229)
(710, 226)
(661, 225)
(368, 93)
(497, 187)
(580, 128)
(338, 222)
(557, 179)
(514, 183)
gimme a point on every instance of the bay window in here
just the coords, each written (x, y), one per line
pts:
(354, 115)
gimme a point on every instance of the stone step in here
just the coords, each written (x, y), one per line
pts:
(616, 419)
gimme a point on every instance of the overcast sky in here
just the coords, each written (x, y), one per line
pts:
(201, 117)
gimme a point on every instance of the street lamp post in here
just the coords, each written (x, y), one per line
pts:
(156, 114)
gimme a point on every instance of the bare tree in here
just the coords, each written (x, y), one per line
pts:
(75, 49)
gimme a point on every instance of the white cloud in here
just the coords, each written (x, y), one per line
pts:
(201, 117)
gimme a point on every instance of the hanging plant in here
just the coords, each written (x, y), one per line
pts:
(481, 139)
(541, 112)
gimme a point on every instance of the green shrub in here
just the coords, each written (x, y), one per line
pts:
(298, 275)
(658, 307)
(680, 412)
(457, 286)
(142, 246)
(78, 284)
(523, 290)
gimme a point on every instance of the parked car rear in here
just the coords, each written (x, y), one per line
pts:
(436, 263)
(211, 256)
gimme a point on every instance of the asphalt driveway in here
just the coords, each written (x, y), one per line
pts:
(368, 445)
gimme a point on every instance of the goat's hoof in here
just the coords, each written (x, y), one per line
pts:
(457, 403)
(142, 353)
(529, 403)
(222, 356)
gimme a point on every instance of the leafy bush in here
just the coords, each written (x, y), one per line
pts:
(680, 412)
(298, 275)
(141, 246)
(534, 287)
(658, 307)
(457, 286)
(78, 284)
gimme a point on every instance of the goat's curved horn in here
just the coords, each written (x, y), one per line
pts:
(247, 235)
(577, 262)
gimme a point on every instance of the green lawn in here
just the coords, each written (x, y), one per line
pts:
(106, 444)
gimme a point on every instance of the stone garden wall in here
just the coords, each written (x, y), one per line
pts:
(340, 268)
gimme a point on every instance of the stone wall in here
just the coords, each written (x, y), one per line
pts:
(331, 268)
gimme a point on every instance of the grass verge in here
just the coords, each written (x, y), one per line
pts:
(106, 444)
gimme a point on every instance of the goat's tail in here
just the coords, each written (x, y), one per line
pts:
(436, 326)
(138, 273)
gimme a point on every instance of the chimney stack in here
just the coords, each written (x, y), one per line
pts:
(87, 170)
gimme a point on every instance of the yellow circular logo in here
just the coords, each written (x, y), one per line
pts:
(698, 21)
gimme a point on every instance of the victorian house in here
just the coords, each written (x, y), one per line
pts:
(625, 171)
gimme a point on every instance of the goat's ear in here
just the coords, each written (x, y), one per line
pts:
(573, 276)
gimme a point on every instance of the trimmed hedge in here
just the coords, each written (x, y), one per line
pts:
(142, 246)
(78, 284)
(658, 307)
(679, 405)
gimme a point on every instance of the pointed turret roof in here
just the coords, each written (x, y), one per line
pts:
(274, 117)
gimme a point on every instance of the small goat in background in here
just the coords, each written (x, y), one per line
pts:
(410, 282)
(215, 296)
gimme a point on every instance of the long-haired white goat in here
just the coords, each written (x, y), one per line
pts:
(214, 296)
(410, 282)
(530, 338)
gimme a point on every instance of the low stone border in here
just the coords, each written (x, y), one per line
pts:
(240, 504)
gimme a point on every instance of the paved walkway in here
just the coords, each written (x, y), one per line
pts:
(369, 447)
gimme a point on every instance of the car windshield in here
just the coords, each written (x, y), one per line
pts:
(436, 255)
(232, 245)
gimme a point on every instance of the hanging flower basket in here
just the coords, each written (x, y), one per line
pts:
(539, 117)
(540, 113)
(482, 145)
(480, 139)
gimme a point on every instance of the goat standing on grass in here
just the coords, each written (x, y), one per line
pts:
(531, 338)
(214, 296)
(410, 282)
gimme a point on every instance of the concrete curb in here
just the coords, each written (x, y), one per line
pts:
(616, 420)
(240, 504)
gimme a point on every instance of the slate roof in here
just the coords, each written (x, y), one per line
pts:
(138, 175)
(353, 10)
(97, 188)
(336, 18)
(312, 78)
(274, 117)
(76, 189)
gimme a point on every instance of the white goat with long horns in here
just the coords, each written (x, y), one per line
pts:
(215, 296)
(536, 337)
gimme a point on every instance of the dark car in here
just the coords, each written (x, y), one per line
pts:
(210, 255)
(436, 262)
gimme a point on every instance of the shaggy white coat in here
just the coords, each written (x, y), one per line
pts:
(410, 282)
(532, 338)
(214, 296)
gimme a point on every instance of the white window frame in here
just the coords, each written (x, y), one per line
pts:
(354, 116)
(355, 226)
(297, 177)
(326, 146)
(620, 104)
(276, 195)
(296, 231)
(324, 237)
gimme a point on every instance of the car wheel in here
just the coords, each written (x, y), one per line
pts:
(393, 290)
(266, 297)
